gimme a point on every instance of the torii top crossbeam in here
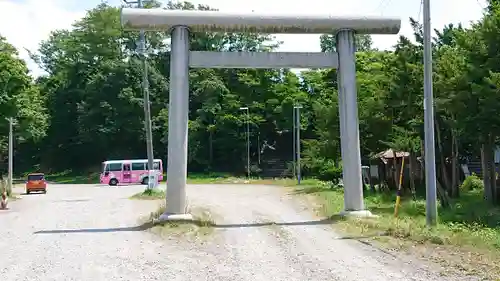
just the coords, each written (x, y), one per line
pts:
(161, 19)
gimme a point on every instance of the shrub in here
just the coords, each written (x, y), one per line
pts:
(472, 182)
(330, 172)
(323, 169)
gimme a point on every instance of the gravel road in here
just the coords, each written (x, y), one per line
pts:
(89, 232)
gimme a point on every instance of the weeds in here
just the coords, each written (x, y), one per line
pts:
(149, 194)
(201, 225)
(469, 227)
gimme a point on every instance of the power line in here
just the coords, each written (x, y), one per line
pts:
(382, 5)
(420, 9)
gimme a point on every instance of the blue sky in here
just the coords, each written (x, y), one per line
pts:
(27, 22)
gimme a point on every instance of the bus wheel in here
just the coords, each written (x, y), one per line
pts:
(145, 180)
(113, 182)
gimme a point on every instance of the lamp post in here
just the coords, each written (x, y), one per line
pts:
(248, 138)
(297, 125)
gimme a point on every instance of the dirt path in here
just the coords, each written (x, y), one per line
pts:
(87, 232)
(297, 246)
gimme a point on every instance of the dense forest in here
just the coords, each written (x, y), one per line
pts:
(89, 108)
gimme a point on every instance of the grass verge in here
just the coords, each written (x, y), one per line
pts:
(228, 179)
(70, 177)
(200, 227)
(467, 238)
(149, 194)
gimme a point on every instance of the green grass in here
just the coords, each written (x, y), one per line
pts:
(70, 177)
(467, 236)
(228, 179)
(149, 194)
(200, 227)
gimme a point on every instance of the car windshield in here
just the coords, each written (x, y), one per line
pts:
(35, 177)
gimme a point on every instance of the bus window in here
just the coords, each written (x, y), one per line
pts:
(126, 167)
(138, 166)
(114, 167)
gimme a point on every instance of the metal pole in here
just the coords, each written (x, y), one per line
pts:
(11, 153)
(178, 121)
(349, 134)
(298, 144)
(248, 142)
(258, 146)
(430, 154)
(294, 144)
(147, 113)
(248, 137)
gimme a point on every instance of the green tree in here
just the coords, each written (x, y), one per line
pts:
(20, 98)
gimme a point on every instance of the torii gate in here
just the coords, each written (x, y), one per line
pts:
(180, 22)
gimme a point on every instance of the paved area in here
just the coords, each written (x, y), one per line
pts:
(90, 232)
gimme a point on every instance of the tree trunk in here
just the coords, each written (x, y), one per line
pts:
(442, 195)
(411, 166)
(492, 170)
(211, 148)
(444, 172)
(422, 153)
(372, 184)
(396, 170)
(455, 191)
(486, 151)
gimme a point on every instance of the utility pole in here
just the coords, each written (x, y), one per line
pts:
(11, 152)
(147, 113)
(248, 139)
(430, 154)
(297, 125)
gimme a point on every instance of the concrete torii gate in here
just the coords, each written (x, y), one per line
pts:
(180, 22)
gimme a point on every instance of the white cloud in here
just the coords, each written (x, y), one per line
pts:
(26, 22)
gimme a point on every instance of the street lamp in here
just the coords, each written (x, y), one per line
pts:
(248, 139)
(297, 125)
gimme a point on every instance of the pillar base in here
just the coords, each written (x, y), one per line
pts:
(358, 214)
(167, 217)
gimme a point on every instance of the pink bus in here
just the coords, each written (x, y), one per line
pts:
(116, 172)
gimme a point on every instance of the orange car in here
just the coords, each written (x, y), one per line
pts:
(36, 182)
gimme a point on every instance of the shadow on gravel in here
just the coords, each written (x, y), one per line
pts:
(300, 223)
(148, 225)
(71, 200)
(98, 230)
(260, 224)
